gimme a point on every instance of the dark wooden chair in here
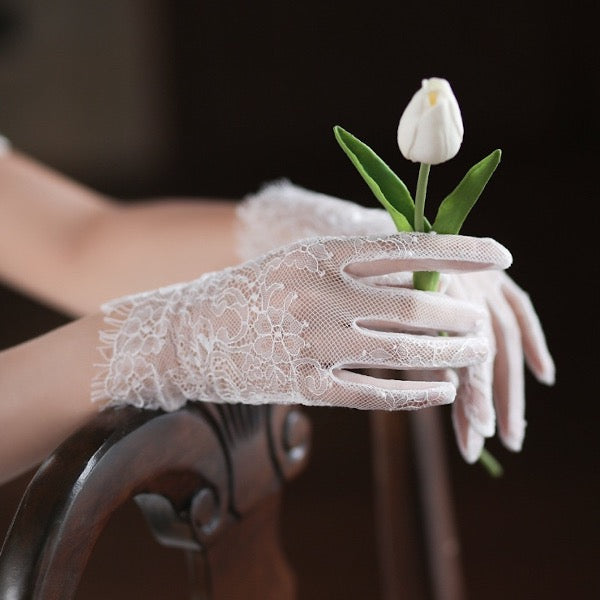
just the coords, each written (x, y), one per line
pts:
(402, 442)
(207, 477)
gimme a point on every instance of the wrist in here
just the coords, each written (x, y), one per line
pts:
(154, 346)
(282, 213)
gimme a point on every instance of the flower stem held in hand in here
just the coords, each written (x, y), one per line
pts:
(420, 196)
(428, 281)
(423, 280)
(430, 132)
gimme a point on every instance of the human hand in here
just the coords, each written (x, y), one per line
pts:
(293, 325)
(282, 212)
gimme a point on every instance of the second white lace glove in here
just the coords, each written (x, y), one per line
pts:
(518, 337)
(282, 212)
(291, 325)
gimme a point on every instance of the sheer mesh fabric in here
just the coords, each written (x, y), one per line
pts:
(295, 324)
(282, 212)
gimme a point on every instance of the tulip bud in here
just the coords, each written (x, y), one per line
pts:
(431, 128)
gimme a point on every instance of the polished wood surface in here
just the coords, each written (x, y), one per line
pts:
(207, 477)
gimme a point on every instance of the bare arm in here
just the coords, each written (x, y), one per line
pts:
(74, 248)
(45, 393)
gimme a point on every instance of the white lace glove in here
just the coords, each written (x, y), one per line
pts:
(518, 337)
(282, 212)
(287, 327)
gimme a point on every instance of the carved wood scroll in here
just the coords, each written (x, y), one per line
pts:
(206, 477)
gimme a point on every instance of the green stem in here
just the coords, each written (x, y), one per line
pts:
(420, 196)
(423, 280)
(428, 281)
(490, 464)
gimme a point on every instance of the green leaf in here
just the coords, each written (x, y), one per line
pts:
(384, 183)
(399, 219)
(456, 206)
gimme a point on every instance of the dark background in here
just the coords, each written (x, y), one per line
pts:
(141, 99)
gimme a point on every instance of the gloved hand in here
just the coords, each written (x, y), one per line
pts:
(282, 212)
(289, 327)
(518, 336)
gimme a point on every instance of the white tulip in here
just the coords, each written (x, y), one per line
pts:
(431, 128)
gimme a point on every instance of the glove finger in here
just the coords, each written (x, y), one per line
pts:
(509, 384)
(475, 391)
(536, 350)
(362, 349)
(447, 375)
(358, 390)
(476, 382)
(403, 279)
(424, 252)
(470, 442)
(402, 310)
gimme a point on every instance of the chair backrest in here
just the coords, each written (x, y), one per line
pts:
(207, 478)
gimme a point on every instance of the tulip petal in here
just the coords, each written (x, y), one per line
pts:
(436, 139)
(431, 129)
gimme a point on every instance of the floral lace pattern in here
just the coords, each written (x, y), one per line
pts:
(282, 212)
(291, 327)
